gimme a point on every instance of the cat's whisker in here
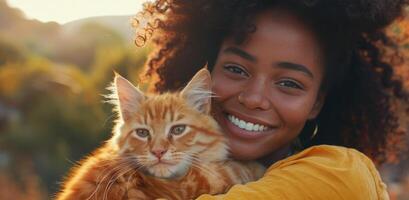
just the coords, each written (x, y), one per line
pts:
(111, 173)
(134, 160)
(178, 153)
(101, 181)
(114, 162)
(136, 166)
(127, 163)
(112, 180)
(198, 164)
(99, 184)
(144, 159)
(195, 162)
(129, 178)
(205, 170)
(110, 162)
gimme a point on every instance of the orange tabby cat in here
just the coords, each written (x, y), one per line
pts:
(163, 146)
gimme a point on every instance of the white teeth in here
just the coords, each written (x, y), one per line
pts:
(248, 126)
(242, 124)
(256, 127)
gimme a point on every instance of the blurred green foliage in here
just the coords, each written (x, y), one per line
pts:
(51, 106)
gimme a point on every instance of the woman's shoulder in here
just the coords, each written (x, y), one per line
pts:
(334, 168)
(319, 172)
(327, 154)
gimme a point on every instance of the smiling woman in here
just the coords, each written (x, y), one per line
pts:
(295, 83)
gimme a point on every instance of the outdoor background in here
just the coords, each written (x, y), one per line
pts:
(52, 76)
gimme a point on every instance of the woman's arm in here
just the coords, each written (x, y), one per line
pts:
(321, 172)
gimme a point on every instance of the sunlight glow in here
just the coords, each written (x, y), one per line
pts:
(63, 11)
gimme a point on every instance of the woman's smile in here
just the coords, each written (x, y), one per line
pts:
(249, 126)
(246, 127)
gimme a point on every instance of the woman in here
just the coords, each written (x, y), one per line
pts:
(295, 82)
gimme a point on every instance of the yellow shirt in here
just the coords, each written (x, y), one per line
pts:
(319, 172)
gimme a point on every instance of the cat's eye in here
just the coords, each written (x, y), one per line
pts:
(177, 129)
(142, 132)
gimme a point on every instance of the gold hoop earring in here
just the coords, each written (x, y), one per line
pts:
(314, 133)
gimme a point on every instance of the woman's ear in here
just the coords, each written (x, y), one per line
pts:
(319, 103)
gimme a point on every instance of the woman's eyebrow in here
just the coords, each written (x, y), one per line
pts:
(286, 65)
(297, 67)
(241, 53)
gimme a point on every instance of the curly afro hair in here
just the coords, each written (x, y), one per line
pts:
(360, 85)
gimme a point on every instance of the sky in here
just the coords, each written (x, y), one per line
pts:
(63, 11)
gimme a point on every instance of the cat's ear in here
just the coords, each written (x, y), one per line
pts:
(128, 97)
(198, 91)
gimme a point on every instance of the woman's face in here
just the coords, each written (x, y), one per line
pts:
(268, 86)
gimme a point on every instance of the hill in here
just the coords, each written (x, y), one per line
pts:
(71, 43)
(121, 24)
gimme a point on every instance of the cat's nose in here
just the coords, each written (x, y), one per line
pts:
(159, 152)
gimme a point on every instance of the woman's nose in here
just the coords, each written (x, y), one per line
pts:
(255, 96)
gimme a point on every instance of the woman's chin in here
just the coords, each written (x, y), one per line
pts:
(241, 152)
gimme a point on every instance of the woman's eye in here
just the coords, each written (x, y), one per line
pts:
(178, 129)
(290, 84)
(236, 70)
(142, 132)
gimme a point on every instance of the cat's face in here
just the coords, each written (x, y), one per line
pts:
(169, 133)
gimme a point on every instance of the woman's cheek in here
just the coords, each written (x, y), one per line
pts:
(223, 87)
